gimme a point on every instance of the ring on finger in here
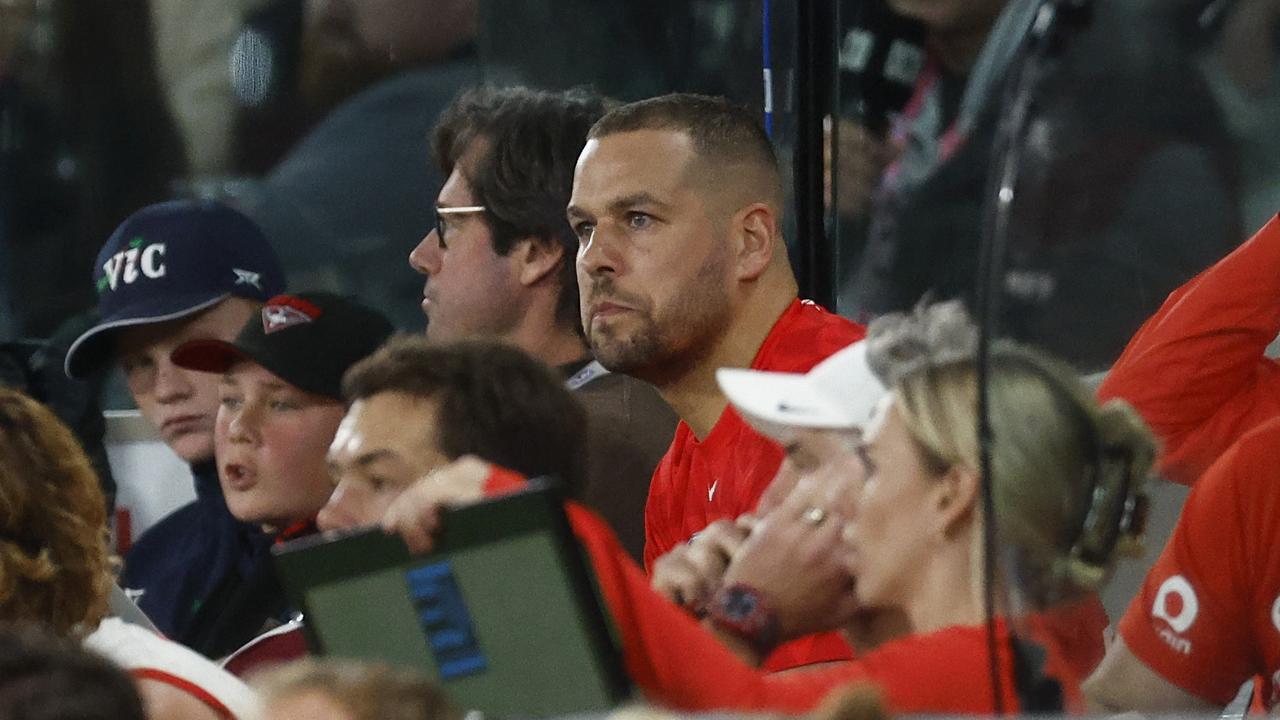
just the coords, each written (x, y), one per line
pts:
(814, 515)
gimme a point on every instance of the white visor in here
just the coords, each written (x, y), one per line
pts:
(839, 393)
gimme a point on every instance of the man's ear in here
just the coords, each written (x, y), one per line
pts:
(955, 499)
(535, 259)
(756, 229)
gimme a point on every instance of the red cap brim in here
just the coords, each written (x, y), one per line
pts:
(212, 356)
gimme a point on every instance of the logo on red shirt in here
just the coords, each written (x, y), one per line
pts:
(1177, 605)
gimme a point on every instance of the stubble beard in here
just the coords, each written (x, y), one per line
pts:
(667, 342)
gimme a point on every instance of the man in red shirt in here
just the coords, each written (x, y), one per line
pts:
(1208, 616)
(1196, 370)
(682, 269)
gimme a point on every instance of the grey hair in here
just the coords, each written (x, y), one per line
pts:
(932, 334)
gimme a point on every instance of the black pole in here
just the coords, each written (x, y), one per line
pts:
(815, 100)
(1054, 20)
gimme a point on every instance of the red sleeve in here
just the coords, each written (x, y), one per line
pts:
(1191, 622)
(942, 672)
(1196, 369)
(502, 481)
(657, 536)
(1078, 631)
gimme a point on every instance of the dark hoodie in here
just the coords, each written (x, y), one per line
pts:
(194, 566)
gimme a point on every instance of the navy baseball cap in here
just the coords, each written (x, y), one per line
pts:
(170, 260)
(309, 340)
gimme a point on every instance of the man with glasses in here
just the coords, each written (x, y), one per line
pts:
(500, 265)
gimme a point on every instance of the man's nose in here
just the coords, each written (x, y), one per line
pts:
(338, 513)
(425, 257)
(599, 254)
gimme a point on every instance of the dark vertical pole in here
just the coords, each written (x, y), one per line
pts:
(815, 98)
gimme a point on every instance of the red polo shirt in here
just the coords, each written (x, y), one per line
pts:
(1196, 371)
(1208, 615)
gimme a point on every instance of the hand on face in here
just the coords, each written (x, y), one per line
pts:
(794, 557)
(691, 573)
(415, 515)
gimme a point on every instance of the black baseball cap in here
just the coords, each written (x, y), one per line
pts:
(309, 340)
(170, 260)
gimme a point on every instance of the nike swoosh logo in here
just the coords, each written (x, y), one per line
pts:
(801, 409)
(711, 491)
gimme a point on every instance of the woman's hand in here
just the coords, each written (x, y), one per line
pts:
(794, 558)
(691, 573)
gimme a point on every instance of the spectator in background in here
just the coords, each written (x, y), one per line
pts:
(332, 689)
(1123, 192)
(351, 197)
(170, 273)
(1237, 46)
(280, 404)
(193, 43)
(88, 140)
(682, 269)
(500, 264)
(54, 570)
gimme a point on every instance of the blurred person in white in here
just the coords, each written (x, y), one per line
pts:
(54, 569)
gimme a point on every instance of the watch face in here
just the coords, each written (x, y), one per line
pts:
(739, 603)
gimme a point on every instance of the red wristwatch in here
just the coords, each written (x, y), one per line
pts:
(742, 611)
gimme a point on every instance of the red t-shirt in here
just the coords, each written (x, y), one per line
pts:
(1208, 616)
(724, 475)
(676, 663)
(1196, 370)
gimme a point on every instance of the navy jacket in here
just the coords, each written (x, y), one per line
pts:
(187, 571)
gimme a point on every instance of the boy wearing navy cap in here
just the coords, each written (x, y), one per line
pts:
(173, 272)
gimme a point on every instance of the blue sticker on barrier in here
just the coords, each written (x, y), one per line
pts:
(445, 619)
